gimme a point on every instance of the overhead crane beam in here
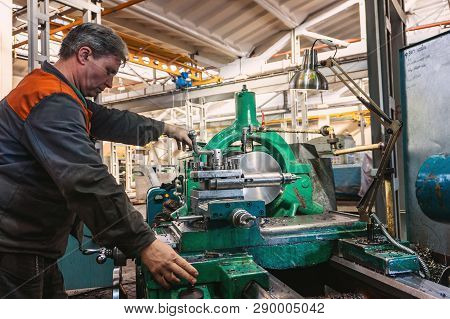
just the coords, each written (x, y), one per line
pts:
(143, 57)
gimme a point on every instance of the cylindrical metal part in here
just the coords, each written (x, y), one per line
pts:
(241, 218)
(253, 180)
(226, 183)
(264, 179)
(216, 159)
(433, 187)
(390, 218)
(359, 149)
(259, 163)
(189, 218)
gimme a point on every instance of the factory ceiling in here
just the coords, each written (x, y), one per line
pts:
(217, 32)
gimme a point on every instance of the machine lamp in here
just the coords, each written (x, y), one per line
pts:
(309, 77)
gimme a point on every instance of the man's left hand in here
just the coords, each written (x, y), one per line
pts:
(179, 134)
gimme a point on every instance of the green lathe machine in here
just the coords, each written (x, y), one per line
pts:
(246, 204)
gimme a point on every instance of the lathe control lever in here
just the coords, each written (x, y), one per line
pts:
(104, 253)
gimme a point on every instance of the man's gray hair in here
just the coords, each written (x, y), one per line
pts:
(102, 40)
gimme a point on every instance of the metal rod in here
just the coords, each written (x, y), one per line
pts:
(189, 218)
(362, 148)
(356, 93)
(324, 130)
(371, 105)
(287, 130)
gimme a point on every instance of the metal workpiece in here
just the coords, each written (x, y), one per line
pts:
(260, 163)
(215, 160)
(269, 179)
(241, 218)
(189, 218)
(356, 149)
(211, 174)
(252, 181)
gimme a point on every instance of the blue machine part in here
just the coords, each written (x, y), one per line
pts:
(433, 187)
(221, 210)
(81, 271)
(155, 199)
(182, 81)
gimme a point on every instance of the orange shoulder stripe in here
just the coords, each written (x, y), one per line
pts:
(36, 86)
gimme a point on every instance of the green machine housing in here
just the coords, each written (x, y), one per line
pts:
(246, 205)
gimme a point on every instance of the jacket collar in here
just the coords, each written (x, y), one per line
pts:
(47, 67)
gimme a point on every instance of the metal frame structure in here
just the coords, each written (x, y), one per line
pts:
(385, 36)
(38, 21)
(38, 26)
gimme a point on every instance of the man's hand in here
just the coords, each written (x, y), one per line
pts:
(179, 134)
(166, 266)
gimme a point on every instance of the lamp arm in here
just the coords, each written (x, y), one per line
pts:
(358, 91)
(393, 127)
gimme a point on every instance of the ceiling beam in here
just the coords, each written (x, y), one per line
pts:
(189, 32)
(315, 35)
(118, 22)
(325, 15)
(276, 10)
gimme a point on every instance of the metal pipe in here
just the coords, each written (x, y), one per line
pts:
(427, 26)
(362, 148)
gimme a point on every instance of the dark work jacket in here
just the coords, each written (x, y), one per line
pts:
(51, 175)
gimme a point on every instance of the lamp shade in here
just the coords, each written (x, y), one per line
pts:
(309, 78)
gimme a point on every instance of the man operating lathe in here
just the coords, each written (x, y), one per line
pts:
(52, 178)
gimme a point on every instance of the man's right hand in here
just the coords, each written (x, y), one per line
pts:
(166, 266)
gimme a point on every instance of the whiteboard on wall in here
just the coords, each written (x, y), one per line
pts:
(425, 82)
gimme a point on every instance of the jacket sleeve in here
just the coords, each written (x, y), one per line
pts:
(123, 126)
(55, 133)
